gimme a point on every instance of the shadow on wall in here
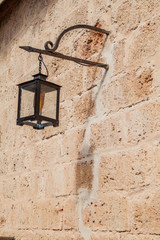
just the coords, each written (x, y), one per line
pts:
(84, 168)
(15, 21)
(86, 171)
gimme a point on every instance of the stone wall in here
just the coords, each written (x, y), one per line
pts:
(97, 175)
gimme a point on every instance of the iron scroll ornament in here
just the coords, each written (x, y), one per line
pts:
(50, 48)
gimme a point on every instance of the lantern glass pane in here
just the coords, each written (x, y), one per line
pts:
(48, 101)
(27, 100)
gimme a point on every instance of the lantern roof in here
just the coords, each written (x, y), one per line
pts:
(39, 77)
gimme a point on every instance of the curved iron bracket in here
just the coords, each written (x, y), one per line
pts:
(51, 51)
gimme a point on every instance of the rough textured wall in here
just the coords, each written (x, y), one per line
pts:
(97, 175)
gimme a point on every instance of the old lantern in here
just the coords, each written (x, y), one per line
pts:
(38, 101)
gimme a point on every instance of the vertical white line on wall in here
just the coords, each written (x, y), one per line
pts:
(86, 196)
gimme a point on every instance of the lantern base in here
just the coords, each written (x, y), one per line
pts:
(38, 125)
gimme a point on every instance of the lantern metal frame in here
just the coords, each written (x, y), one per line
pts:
(50, 50)
(39, 80)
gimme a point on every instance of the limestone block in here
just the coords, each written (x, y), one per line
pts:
(5, 210)
(10, 188)
(108, 133)
(128, 89)
(110, 212)
(101, 11)
(70, 217)
(141, 45)
(143, 122)
(76, 15)
(67, 179)
(72, 84)
(119, 55)
(66, 113)
(50, 183)
(105, 236)
(71, 5)
(157, 165)
(92, 76)
(64, 180)
(89, 43)
(139, 237)
(31, 185)
(4, 162)
(127, 170)
(84, 175)
(58, 67)
(47, 214)
(83, 108)
(21, 161)
(72, 142)
(128, 15)
(64, 235)
(1, 189)
(123, 18)
(48, 153)
(146, 214)
(21, 215)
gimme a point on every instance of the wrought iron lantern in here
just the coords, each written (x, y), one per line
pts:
(38, 102)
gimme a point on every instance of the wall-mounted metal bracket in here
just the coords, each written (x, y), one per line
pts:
(51, 51)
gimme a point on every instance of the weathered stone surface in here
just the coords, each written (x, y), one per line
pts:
(127, 170)
(119, 53)
(110, 212)
(89, 43)
(92, 77)
(146, 214)
(64, 180)
(72, 84)
(128, 90)
(108, 133)
(141, 51)
(83, 108)
(143, 122)
(105, 236)
(70, 219)
(95, 176)
(72, 143)
(127, 15)
(138, 237)
(48, 214)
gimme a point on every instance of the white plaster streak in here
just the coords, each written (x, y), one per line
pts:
(86, 142)
(108, 58)
(86, 196)
(84, 231)
(95, 177)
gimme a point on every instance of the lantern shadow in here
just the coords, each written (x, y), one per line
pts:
(85, 165)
